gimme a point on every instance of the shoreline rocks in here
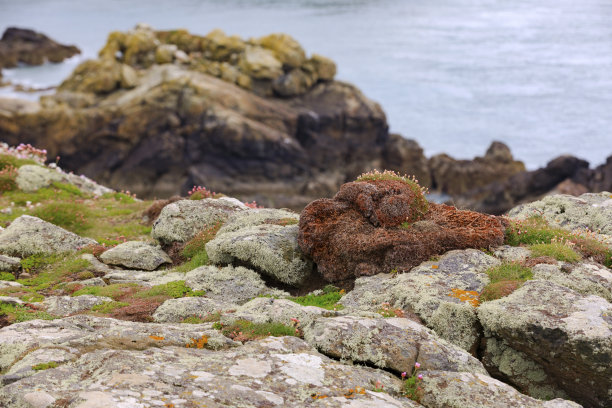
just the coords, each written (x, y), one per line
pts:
(21, 45)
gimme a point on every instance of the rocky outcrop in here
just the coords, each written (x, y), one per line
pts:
(20, 45)
(67, 305)
(499, 197)
(29, 235)
(455, 177)
(135, 255)
(573, 335)
(176, 310)
(241, 117)
(182, 220)
(592, 211)
(373, 227)
(267, 246)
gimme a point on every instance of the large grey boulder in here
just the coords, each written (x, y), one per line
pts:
(272, 372)
(588, 278)
(176, 310)
(182, 220)
(135, 255)
(475, 390)
(438, 292)
(395, 344)
(29, 235)
(9, 263)
(568, 335)
(82, 333)
(31, 177)
(272, 250)
(259, 216)
(591, 211)
(229, 284)
(271, 310)
(67, 305)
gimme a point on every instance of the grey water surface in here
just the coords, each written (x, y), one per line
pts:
(452, 74)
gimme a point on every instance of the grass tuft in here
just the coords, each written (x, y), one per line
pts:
(175, 289)
(559, 251)
(243, 330)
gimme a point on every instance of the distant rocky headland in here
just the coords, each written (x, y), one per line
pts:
(161, 111)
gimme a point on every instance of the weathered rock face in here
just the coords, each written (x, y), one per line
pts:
(499, 197)
(360, 232)
(455, 177)
(67, 305)
(565, 334)
(214, 119)
(182, 220)
(396, 344)
(135, 255)
(270, 372)
(32, 48)
(592, 211)
(175, 310)
(29, 235)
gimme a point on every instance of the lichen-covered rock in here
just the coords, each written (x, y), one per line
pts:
(25, 367)
(259, 216)
(229, 284)
(295, 82)
(271, 310)
(325, 67)
(511, 253)
(283, 372)
(135, 255)
(568, 334)
(475, 390)
(9, 284)
(82, 333)
(439, 292)
(9, 300)
(29, 235)
(591, 211)
(260, 63)
(95, 76)
(373, 227)
(395, 343)
(176, 310)
(270, 249)
(9, 263)
(182, 220)
(67, 305)
(164, 54)
(585, 278)
(286, 49)
(32, 177)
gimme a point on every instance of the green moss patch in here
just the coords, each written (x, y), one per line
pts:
(557, 250)
(176, 289)
(505, 279)
(18, 314)
(327, 300)
(44, 366)
(243, 330)
(195, 249)
(114, 291)
(108, 307)
(73, 216)
(7, 276)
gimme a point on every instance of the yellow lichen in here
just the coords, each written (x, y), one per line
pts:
(468, 296)
(198, 343)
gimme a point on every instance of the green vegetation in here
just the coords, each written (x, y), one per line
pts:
(51, 269)
(176, 289)
(114, 291)
(121, 197)
(192, 320)
(7, 160)
(73, 216)
(44, 366)
(7, 276)
(243, 330)
(505, 279)
(33, 263)
(327, 300)
(85, 275)
(18, 314)
(32, 297)
(557, 250)
(108, 307)
(195, 250)
(208, 318)
(536, 230)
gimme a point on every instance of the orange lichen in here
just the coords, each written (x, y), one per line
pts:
(353, 392)
(468, 296)
(434, 266)
(317, 396)
(198, 343)
(156, 337)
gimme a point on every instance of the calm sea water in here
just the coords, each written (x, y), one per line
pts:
(452, 74)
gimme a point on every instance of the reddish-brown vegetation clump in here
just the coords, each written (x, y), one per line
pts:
(375, 226)
(499, 290)
(158, 205)
(139, 310)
